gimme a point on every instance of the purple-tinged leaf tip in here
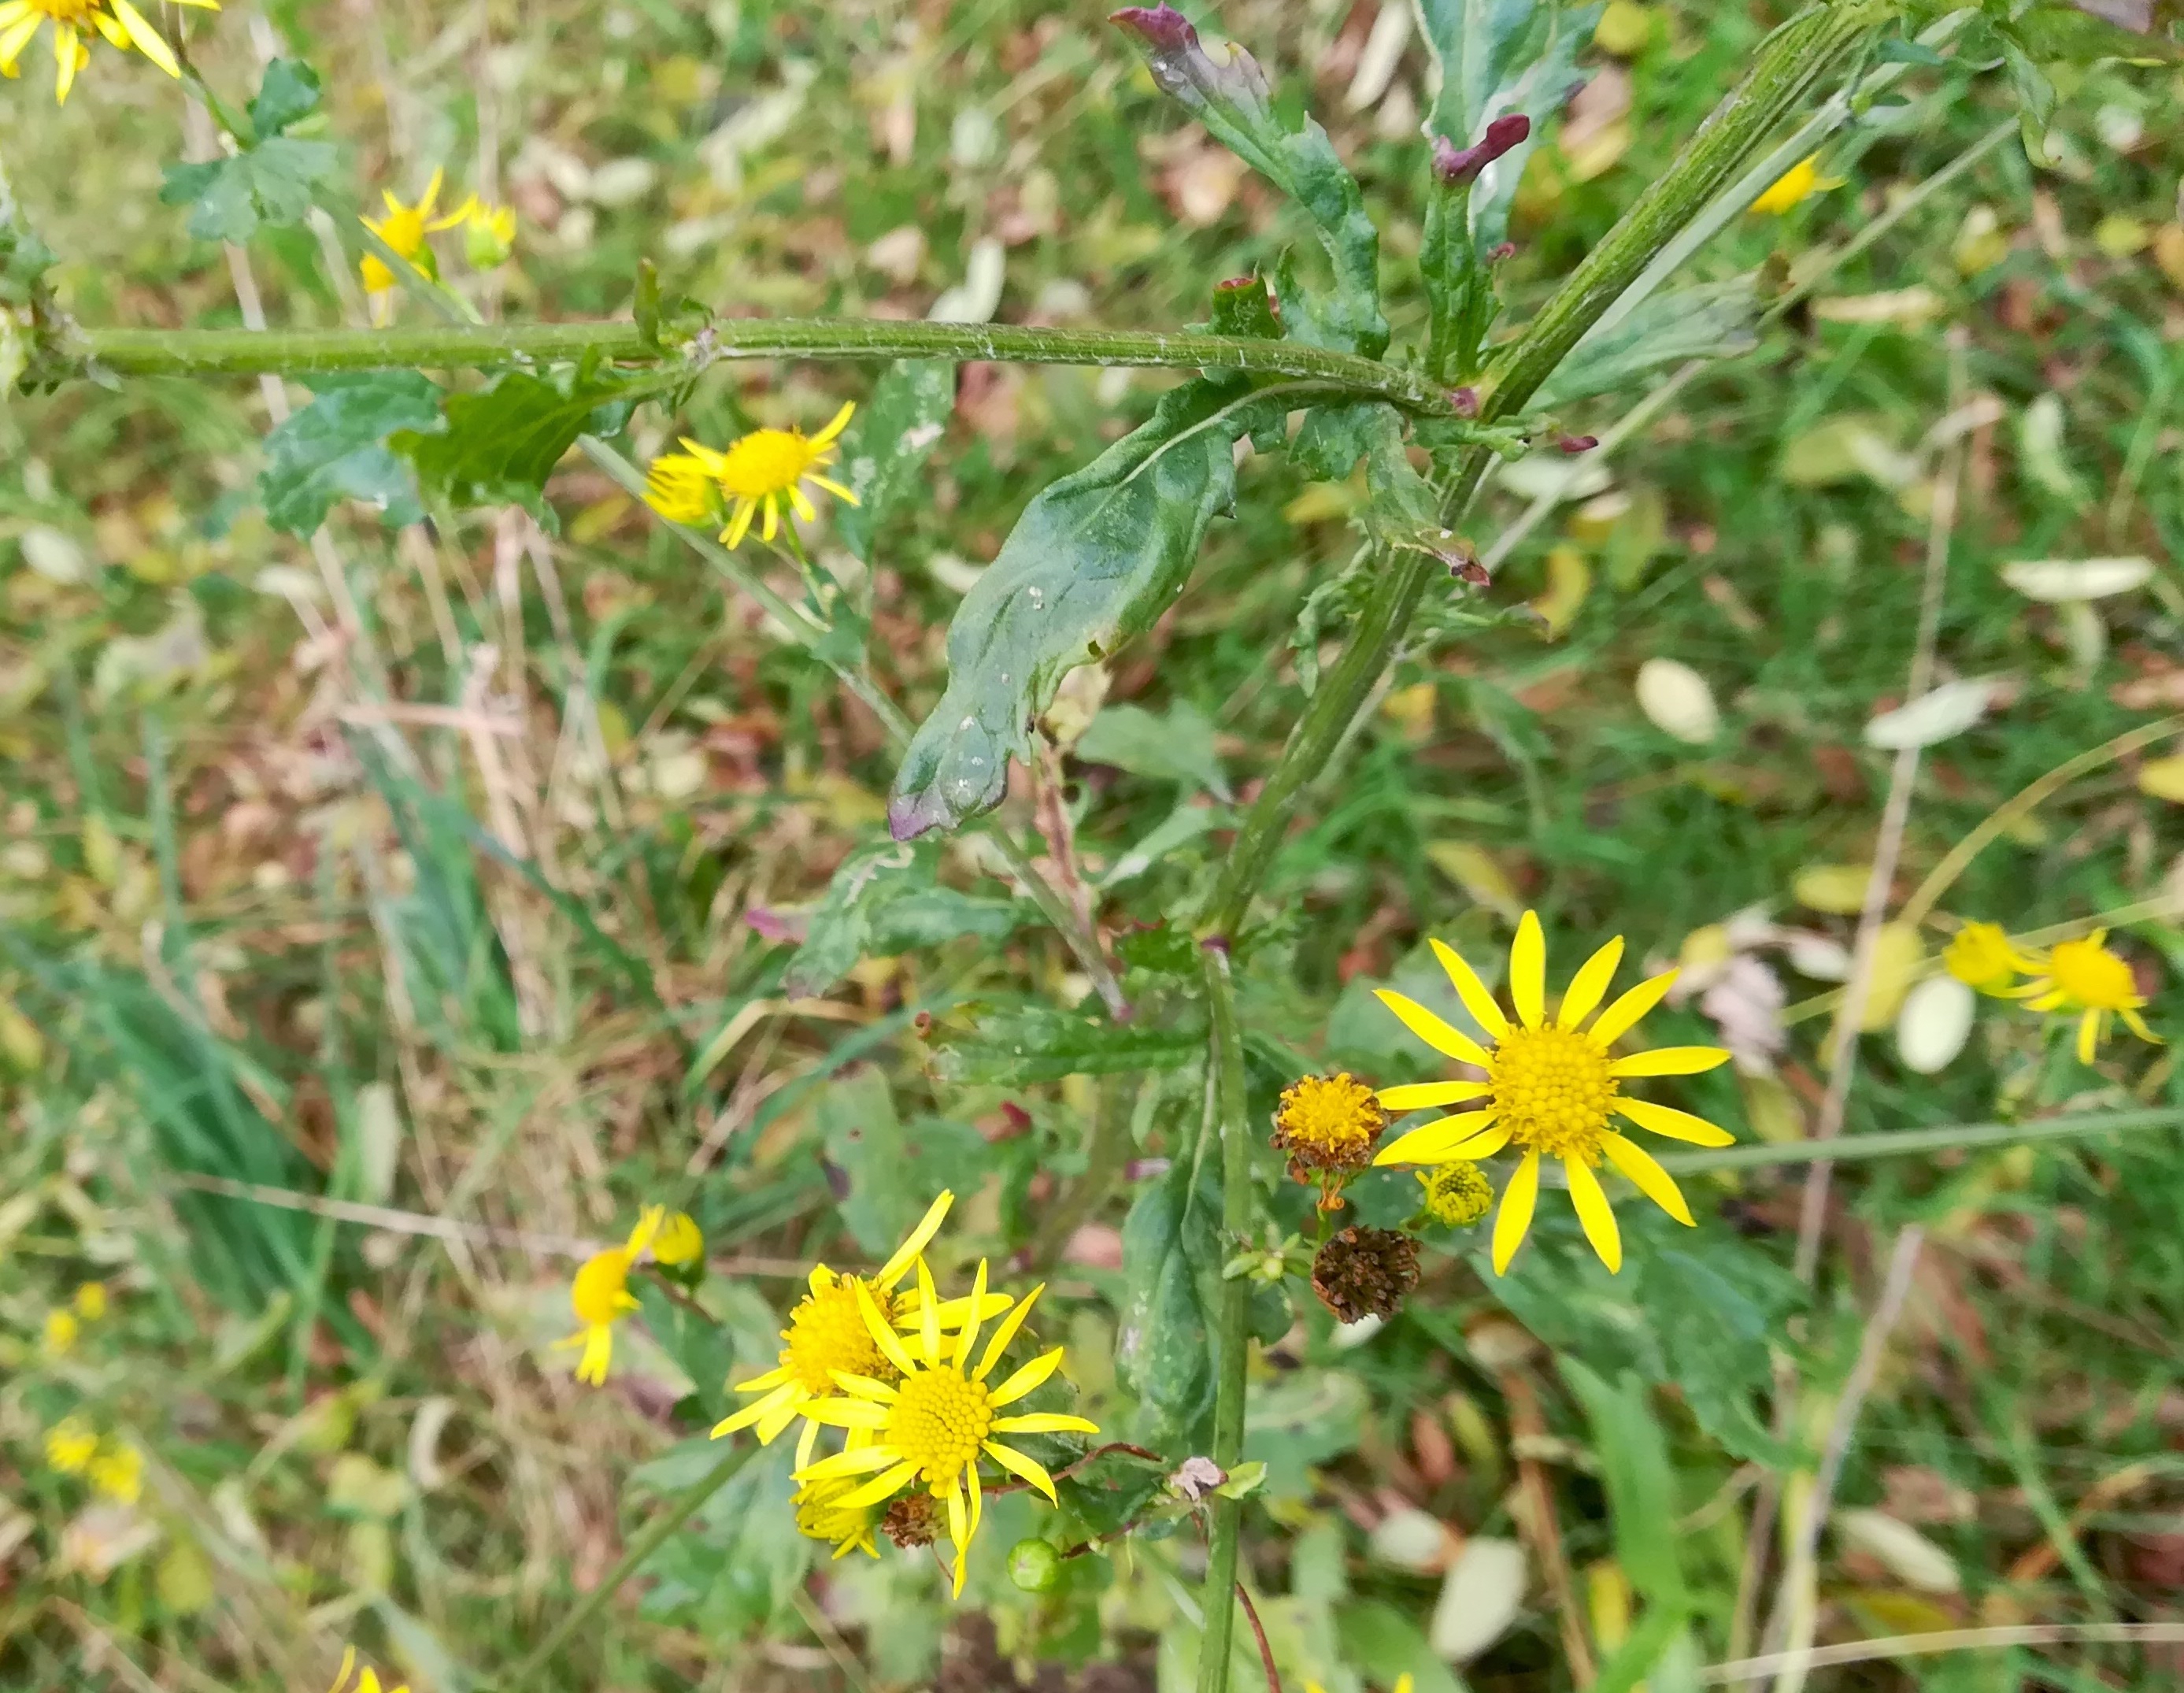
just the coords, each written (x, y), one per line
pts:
(1159, 27)
(1575, 444)
(1457, 165)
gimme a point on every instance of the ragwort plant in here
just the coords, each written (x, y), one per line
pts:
(913, 1405)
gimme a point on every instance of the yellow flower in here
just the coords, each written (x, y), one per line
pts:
(1328, 1123)
(1456, 1193)
(826, 1336)
(121, 23)
(679, 1240)
(821, 1515)
(2083, 975)
(599, 1294)
(928, 1428)
(1551, 1088)
(1797, 185)
(1983, 955)
(69, 1447)
(117, 1471)
(61, 1331)
(404, 229)
(91, 1302)
(757, 473)
(367, 1683)
(488, 233)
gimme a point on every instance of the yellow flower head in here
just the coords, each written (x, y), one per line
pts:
(60, 1332)
(1797, 185)
(826, 1336)
(1456, 1193)
(1551, 1087)
(74, 21)
(367, 1683)
(1983, 955)
(91, 1302)
(599, 1294)
(69, 1447)
(821, 1515)
(928, 1426)
(117, 1471)
(404, 229)
(679, 1240)
(488, 234)
(756, 473)
(1328, 1123)
(2085, 978)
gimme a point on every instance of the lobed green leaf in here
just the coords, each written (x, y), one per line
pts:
(335, 448)
(499, 445)
(885, 448)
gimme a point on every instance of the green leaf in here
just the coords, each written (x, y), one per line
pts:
(864, 1139)
(1643, 1649)
(1163, 1352)
(1478, 46)
(288, 93)
(1244, 306)
(1635, 1469)
(333, 449)
(1388, 1645)
(933, 916)
(2088, 31)
(1226, 90)
(1174, 747)
(1537, 75)
(1303, 1418)
(499, 445)
(1710, 321)
(1016, 1044)
(1716, 1307)
(840, 930)
(2036, 100)
(272, 184)
(1400, 509)
(886, 444)
(1094, 560)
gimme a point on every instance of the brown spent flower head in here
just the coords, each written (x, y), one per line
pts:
(911, 1519)
(1329, 1124)
(1456, 1193)
(1365, 1273)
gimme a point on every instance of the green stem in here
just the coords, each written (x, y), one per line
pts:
(1904, 1142)
(655, 1535)
(1233, 1342)
(299, 351)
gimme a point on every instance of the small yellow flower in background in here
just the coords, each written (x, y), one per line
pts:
(117, 1471)
(367, 1683)
(599, 1294)
(827, 1337)
(679, 1240)
(1551, 1088)
(69, 1447)
(60, 1334)
(1327, 1123)
(404, 229)
(91, 1302)
(821, 1515)
(2084, 976)
(756, 473)
(1982, 956)
(117, 21)
(1795, 185)
(488, 234)
(929, 1428)
(1456, 1193)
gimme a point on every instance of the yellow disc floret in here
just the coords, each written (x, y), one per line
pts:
(1328, 1122)
(939, 1422)
(1456, 1193)
(826, 1333)
(2093, 977)
(1555, 1089)
(1982, 956)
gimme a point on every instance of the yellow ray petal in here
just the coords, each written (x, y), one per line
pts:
(776, 1420)
(766, 1383)
(759, 1410)
(954, 1311)
(999, 1342)
(849, 1413)
(1422, 1095)
(67, 61)
(112, 29)
(1528, 971)
(772, 527)
(884, 1485)
(1024, 1380)
(1486, 1144)
(1594, 1212)
(1670, 1061)
(959, 1533)
(969, 1331)
(1044, 1423)
(857, 1461)
(1515, 1217)
(801, 502)
(1620, 1017)
(1443, 1037)
(805, 1443)
(896, 1353)
(1590, 985)
(1024, 1469)
(2089, 1036)
(863, 1387)
(2136, 1025)
(1430, 1144)
(1675, 1124)
(834, 427)
(1471, 990)
(929, 1314)
(834, 487)
(739, 522)
(1650, 1179)
(15, 35)
(977, 1494)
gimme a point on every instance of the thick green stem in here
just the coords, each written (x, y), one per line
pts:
(452, 347)
(1225, 1060)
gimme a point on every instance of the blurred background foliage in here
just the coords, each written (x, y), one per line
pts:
(448, 876)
